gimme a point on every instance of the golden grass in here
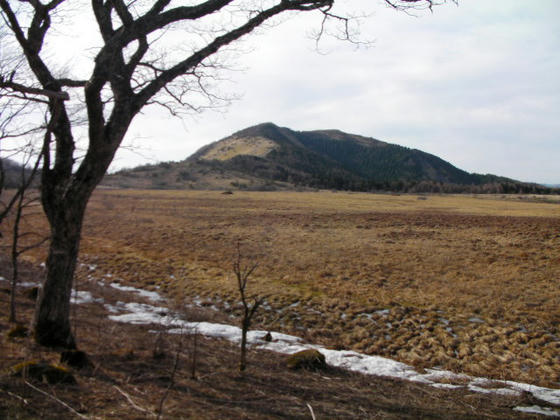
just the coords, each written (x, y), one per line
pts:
(137, 374)
(467, 283)
(245, 146)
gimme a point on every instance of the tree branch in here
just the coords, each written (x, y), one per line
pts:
(6, 84)
(219, 42)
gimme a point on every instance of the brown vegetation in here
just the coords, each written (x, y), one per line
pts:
(465, 283)
(127, 381)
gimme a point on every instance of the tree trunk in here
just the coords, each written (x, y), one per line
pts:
(64, 196)
(12, 317)
(52, 315)
(243, 358)
(15, 254)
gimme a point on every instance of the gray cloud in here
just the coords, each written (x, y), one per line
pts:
(475, 84)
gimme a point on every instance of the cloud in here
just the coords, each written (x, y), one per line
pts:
(475, 84)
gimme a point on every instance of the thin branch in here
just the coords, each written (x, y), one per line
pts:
(17, 87)
(72, 83)
(26, 182)
(33, 246)
(407, 5)
(46, 394)
(132, 403)
(172, 378)
(221, 41)
(344, 34)
(311, 411)
(11, 394)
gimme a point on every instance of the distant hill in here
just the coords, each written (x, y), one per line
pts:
(266, 157)
(12, 172)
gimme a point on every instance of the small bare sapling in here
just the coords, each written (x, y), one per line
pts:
(242, 273)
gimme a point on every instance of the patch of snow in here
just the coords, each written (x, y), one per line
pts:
(450, 331)
(383, 312)
(83, 296)
(228, 332)
(112, 308)
(141, 313)
(535, 409)
(446, 386)
(546, 394)
(498, 391)
(436, 375)
(314, 311)
(153, 296)
(28, 284)
(476, 320)
(367, 364)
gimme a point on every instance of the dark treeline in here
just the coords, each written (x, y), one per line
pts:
(317, 175)
(314, 174)
(432, 187)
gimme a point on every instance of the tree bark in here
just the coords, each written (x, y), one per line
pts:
(52, 326)
(15, 271)
(243, 359)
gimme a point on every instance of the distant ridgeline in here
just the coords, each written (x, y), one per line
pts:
(12, 174)
(268, 157)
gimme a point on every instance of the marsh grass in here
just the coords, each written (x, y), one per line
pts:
(127, 382)
(465, 283)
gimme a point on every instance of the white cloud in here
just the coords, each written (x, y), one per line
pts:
(475, 84)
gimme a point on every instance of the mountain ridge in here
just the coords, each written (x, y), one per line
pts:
(266, 156)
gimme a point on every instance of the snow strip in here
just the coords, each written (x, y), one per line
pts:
(535, 409)
(145, 314)
(139, 313)
(546, 394)
(153, 296)
(28, 284)
(83, 296)
(22, 283)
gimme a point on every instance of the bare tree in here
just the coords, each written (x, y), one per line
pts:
(20, 123)
(23, 240)
(21, 120)
(131, 69)
(242, 273)
(17, 126)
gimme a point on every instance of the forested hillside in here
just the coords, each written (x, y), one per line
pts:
(266, 156)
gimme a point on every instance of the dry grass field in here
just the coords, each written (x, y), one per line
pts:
(136, 374)
(470, 284)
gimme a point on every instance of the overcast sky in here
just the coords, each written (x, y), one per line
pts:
(477, 85)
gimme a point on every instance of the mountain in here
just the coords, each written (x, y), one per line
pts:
(13, 173)
(270, 157)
